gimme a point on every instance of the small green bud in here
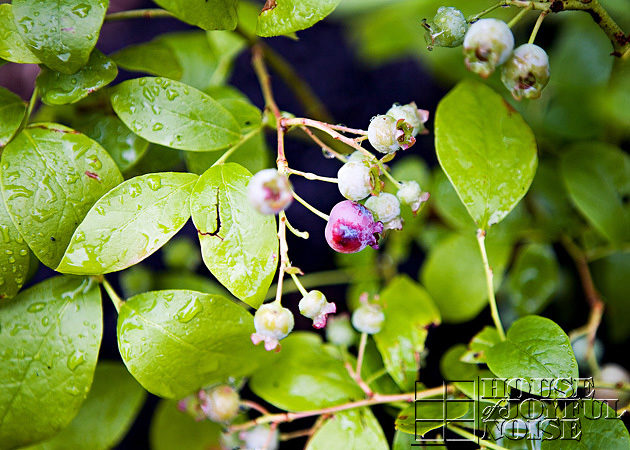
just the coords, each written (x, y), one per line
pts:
(386, 209)
(526, 73)
(272, 323)
(340, 332)
(447, 28)
(314, 306)
(382, 134)
(488, 43)
(368, 318)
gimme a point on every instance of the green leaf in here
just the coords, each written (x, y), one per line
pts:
(172, 429)
(107, 413)
(50, 336)
(12, 110)
(287, 16)
(304, 375)
(453, 275)
(157, 159)
(597, 177)
(175, 342)
(354, 429)
(409, 311)
(14, 256)
(125, 147)
(206, 14)
(464, 375)
(238, 245)
(480, 344)
(154, 57)
(171, 113)
(535, 347)
(533, 279)
(57, 88)
(427, 410)
(598, 425)
(61, 33)
(129, 223)
(447, 204)
(188, 281)
(51, 177)
(611, 275)
(486, 149)
(12, 47)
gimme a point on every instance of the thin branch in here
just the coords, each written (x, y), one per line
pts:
(115, 298)
(235, 147)
(316, 279)
(312, 176)
(532, 37)
(310, 207)
(153, 13)
(325, 148)
(481, 238)
(519, 16)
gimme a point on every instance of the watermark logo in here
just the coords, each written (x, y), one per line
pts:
(533, 409)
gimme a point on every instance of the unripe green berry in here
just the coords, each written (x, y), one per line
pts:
(447, 28)
(220, 404)
(340, 332)
(314, 306)
(385, 208)
(260, 437)
(269, 192)
(410, 194)
(410, 114)
(368, 318)
(382, 134)
(355, 180)
(526, 73)
(488, 43)
(272, 323)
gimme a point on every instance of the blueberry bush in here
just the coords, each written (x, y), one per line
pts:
(525, 219)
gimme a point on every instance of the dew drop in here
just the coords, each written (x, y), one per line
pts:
(36, 307)
(189, 311)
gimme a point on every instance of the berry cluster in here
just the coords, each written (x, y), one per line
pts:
(488, 44)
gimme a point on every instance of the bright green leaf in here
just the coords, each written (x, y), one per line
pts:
(406, 420)
(175, 342)
(206, 14)
(171, 113)
(14, 256)
(304, 375)
(12, 110)
(50, 336)
(154, 57)
(535, 347)
(453, 275)
(172, 429)
(597, 177)
(480, 344)
(107, 413)
(238, 245)
(486, 149)
(409, 311)
(129, 223)
(60, 33)
(12, 47)
(51, 177)
(287, 16)
(355, 429)
(57, 88)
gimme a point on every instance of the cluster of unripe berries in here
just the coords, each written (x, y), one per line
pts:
(489, 43)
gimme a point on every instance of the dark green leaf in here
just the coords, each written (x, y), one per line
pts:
(409, 311)
(12, 110)
(535, 347)
(14, 256)
(12, 47)
(157, 159)
(464, 375)
(60, 33)
(355, 429)
(238, 245)
(129, 223)
(172, 429)
(57, 88)
(155, 58)
(406, 420)
(287, 16)
(51, 177)
(175, 342)
(611, 275)
(597, 177)
(486, 149)
(171, 113)
(304, 375)
(50, 336)
(480, 344)
(109, 410)
(206, 14)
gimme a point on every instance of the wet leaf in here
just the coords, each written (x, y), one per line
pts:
(238, 245)
(14, 257)
(129, 223)
(57, 88)
(486, 149)
(355, 429)
(50, 336)
(206, 14)
(287, 16)
(12, 110)
(154, 57)
(175, 342)
(173, 114)
(51, 177)
(62, 33)
(12, 47)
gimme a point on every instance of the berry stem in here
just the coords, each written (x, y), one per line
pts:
(325, 148)
(310, 207)
(344, 129)
(29, 110)
(361, 354)
(326, 128)
(312, 280)
(284, 254)
(297, 282)
(519, 16)
(532, 36)
(481, 239)
(115, 298)
(476, 17)
(295, 231)
(235, 147)
(312, 176)
(152, 13)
